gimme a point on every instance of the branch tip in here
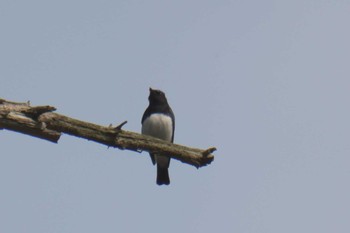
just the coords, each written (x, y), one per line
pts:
(208, 151)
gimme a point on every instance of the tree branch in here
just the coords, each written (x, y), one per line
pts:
(42, 122)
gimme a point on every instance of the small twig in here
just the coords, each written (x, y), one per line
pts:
(119, 127)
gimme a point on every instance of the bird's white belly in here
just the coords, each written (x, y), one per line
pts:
(158, 125)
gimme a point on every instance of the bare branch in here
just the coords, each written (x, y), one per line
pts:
(41, 122)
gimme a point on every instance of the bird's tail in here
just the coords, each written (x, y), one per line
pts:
(162, 175)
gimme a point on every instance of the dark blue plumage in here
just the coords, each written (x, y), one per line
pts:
(159, 121)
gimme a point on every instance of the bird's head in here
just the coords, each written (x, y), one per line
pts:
(156, 96)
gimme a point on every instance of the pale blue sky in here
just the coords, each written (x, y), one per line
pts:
(266, 82)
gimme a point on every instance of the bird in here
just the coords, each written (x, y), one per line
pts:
(158, 121)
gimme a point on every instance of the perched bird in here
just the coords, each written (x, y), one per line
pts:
(159, 121)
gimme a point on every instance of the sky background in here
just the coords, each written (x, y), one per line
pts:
(266, 82)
